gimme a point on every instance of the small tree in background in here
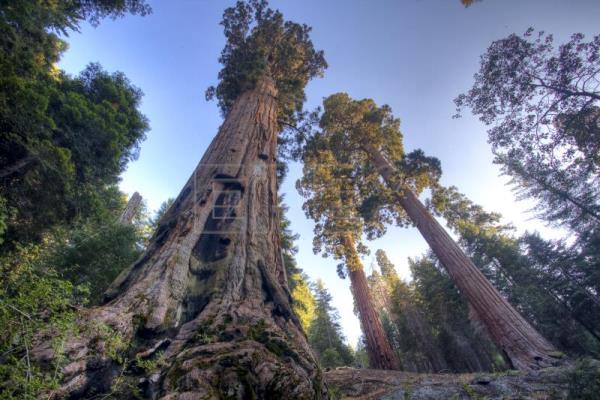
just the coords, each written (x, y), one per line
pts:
(303, 299)
(325, 333)
(461, 338)
(404, 322)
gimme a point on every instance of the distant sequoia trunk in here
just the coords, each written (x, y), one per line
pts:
(381, 355)
(132, 207)
(524, 346)
(207, 306)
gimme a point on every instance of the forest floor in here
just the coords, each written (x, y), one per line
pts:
(369, 384)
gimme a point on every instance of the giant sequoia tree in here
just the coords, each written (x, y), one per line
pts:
(364, 128)
(333, 198)
(207, 305)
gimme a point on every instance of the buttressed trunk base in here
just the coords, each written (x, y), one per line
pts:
(208, 302)
(525, 347)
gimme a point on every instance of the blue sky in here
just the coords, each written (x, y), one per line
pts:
(415, 55)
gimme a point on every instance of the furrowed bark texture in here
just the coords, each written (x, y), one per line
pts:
(525, 347)
(381, 355)
(208, 301)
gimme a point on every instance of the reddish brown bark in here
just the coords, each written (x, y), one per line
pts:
(381, 355)
(210, 292)
(525, 347)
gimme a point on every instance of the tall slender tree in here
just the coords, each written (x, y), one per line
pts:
(333, 199)
(210, 293)
(364, 128)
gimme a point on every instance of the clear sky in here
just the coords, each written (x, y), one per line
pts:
(415, 55)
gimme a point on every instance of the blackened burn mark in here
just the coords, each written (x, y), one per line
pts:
(203, 274)
(212, 245)
(193, 305)
(162, 233)
(184, 194)
(229, 182)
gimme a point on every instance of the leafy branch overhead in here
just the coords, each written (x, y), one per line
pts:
(543, 107)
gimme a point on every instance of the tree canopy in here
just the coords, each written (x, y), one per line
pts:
(344, 190)
(542, 106)
(64, 139)
(261, 43)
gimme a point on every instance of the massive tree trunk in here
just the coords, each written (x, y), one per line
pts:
(208, 301)
(381, 355)
(525, 347)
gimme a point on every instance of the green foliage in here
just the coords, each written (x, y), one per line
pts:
(325, 333)
(361, 356)
(260, 42)
(64, 141)
(58, 173)
(543, 114)
(584, 380)
(52, 125)
(543, 106)
(4, 216)
(427, 321)
(303, 300)
(93, 254)
(154, 222)
(150, 365)
(344, 191)
(33, 298)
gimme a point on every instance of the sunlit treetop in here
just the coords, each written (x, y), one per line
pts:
(351, 126)
(385, 265)
(344, 191)
(261, 42)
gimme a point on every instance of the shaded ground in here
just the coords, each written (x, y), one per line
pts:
(367, 384)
